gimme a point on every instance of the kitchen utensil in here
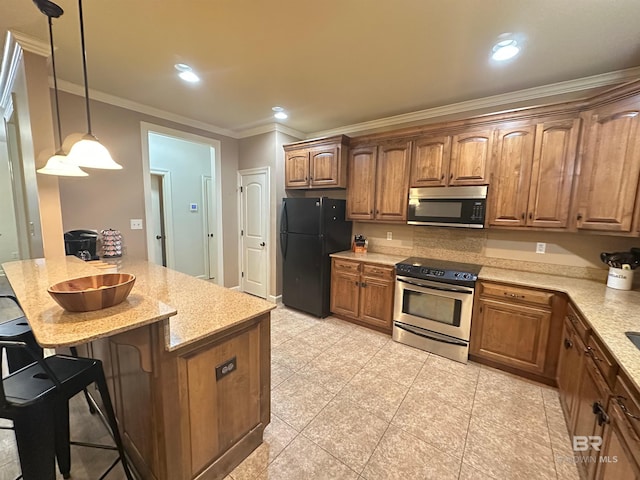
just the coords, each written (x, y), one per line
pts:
(95, 292)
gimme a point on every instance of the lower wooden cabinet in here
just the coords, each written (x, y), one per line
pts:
(363, 293)
(569, 368)
(517, 329)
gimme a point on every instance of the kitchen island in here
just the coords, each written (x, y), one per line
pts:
(187, 362)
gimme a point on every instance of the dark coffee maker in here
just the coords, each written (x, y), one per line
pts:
(81, 243)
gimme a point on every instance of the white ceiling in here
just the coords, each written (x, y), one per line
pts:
(330, 63)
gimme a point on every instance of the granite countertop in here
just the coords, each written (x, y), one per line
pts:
(370, 257)
(203, 308)
(54, 327)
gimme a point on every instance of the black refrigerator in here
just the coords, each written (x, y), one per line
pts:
(310, 230)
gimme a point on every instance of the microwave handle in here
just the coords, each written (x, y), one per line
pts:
(442, 289)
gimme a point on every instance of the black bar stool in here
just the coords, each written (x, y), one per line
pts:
(36, 399)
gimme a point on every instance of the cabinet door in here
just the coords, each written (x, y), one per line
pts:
(511, 334)
(430, 161)
(376, 302)
(511, 177)
(569, 368)
(324, 166)
(610, 168)
(345, 293)
(296, 169)
(392, 181)
(552, 173)
(362, 183)
(619, 442)
(470, 155)
(592, 390)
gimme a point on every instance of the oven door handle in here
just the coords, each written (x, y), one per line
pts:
(407, 328)
(442, 289)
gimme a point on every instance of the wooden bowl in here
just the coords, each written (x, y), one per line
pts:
(95, 292)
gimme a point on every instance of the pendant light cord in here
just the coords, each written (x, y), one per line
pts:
(55, 83)
(84, 67)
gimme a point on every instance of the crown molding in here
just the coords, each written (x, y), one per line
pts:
(569, 86)
(271, 127)
(75, 89)
(31, 44)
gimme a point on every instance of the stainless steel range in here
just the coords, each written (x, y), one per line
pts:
(433, 306)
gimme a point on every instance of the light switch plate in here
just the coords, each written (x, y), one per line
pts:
(389, 235)
(541, 247)
(136, 224)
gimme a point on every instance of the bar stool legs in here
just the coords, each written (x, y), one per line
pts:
(35, 435)
(92, 409)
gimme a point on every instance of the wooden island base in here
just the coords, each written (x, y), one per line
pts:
(180, 415)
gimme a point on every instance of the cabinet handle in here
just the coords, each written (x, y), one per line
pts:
(579, 217)
(357, 283)
(530, 216)
(599, 411)
(590, 351)
(568, 343)
(513, 295)
(306, 179)
(522, 216)
(623, 407)
(370, 212)
(442, 177)
(377, 212)
(310, 178)
(451, 177)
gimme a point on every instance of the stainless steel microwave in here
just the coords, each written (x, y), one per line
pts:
(448, 206)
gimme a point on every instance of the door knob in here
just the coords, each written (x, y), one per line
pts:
(262, 244)
(158, 237)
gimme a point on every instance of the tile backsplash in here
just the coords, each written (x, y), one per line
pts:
(570, 254)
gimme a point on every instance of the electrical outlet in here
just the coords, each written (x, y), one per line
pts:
(14, 255)
(541, 247)
(136, 224)
(389, 235)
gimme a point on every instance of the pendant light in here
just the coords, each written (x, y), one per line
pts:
(56, 164)
(88, 151)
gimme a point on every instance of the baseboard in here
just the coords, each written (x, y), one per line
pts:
(236, 288)
(274, 298)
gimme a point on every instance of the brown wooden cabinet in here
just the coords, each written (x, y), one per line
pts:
(363, 293)
(532, 174)
(430, 161)
(470, 155)
(379, 182)
(517, 329)
(610, 167)
(317, 164)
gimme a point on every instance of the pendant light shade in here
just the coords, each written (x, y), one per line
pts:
(88, 151)
(57, 164)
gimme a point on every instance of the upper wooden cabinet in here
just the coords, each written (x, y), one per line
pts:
(610, 167)
(430, 161)
(379, 182)
(470, 156)
(532, 174)
(317, 164)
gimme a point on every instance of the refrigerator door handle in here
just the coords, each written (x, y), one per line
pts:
(284, 220)
(283, 245)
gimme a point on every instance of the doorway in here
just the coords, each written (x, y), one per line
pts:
(183, 201)
(253, 188)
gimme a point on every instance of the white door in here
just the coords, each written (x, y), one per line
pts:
(159, 252)
(210, 228)
(254, 209)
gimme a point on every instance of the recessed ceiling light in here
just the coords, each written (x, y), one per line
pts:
(504, 50)
(280, 114)
(186, 73)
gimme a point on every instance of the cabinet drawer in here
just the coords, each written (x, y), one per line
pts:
(578, 322)
(603, 360)
(379, 271)
(346, 265)
(628, 399)
(516, 294)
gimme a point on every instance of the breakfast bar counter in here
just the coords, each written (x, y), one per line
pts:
(187, 361)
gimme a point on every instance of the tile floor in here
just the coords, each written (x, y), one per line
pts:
(349, 403)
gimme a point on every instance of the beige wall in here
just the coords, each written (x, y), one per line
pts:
(265, 150)
(571, 254)
(109, 199)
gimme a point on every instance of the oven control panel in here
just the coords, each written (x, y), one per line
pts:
(439, 274)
